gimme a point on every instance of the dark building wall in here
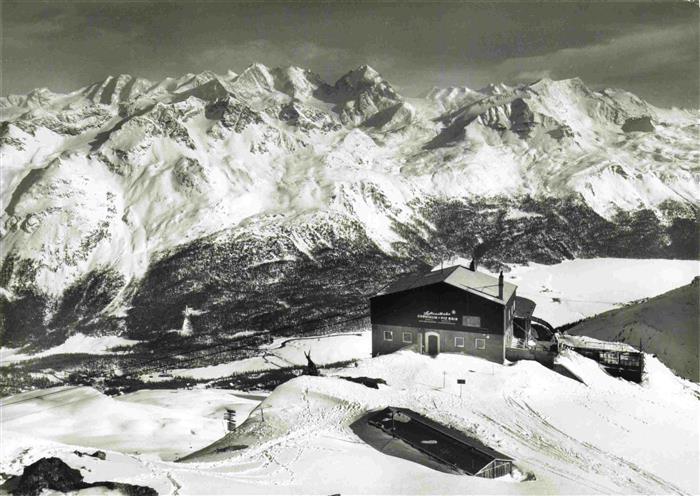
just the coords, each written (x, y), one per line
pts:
(381, 346)
(493, 348)
(438, 306)
(493, 344)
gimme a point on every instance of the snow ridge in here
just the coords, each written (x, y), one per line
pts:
(113, 174)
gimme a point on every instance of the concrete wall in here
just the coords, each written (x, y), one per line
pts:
(544, 357)
(494, 343)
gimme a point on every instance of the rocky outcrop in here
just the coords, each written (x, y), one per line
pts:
(54, 474)
(638, 124)
(232, 114)
(362, 93)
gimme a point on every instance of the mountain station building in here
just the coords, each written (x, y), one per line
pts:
(451, 310)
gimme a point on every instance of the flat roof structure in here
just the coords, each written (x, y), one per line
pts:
(444, 443)
(585, 342)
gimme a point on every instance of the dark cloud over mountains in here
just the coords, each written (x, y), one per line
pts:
(648, 48)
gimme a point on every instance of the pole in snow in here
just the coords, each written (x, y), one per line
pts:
(443, 379)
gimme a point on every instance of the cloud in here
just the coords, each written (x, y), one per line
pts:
(635, 54)
(649, 49)
(63, 28)
(528, 75)
(659, 64)
(305, 54)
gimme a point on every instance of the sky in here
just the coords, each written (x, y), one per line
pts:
(649, 48)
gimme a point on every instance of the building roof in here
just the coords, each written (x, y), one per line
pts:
(588, 343)
(478, 283)
(524, 307)
(453, 433)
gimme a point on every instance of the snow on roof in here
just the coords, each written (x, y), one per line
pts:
(479, 283)
(595, 344)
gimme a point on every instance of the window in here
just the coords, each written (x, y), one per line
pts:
(471, 321)
(388, 336)
(459, 342)
(407, 337)
(610, 357)
(480, 344)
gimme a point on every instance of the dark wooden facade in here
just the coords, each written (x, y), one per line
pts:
(439, 317)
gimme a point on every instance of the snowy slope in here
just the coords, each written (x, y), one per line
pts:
(323, 350)
(577, 289)
(666, 325)
(569, 434)
(574, 438)
(77, 343)
(112, 173)
(101, 184)
(163, 424)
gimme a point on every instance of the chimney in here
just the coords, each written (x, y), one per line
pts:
(472, 265)
(500, 285)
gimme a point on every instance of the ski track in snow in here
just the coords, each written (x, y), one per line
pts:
(307, 419)
(559, 429)
(555, 440)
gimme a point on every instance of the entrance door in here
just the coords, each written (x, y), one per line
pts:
(433, 344)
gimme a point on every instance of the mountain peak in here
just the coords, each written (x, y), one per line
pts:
(363, 75)
(495, 89)
(213, 89)
(297, 82)
(116, 88)
(230, 75)
(575, 83)
(256, 69)
(255, 77)
(367, 71)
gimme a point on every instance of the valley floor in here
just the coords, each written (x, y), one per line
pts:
(564, 293)
(602, 436)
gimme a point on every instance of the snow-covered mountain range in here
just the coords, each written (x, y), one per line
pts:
(272, 197)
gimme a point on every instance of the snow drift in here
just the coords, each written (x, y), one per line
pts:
(574, 438)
